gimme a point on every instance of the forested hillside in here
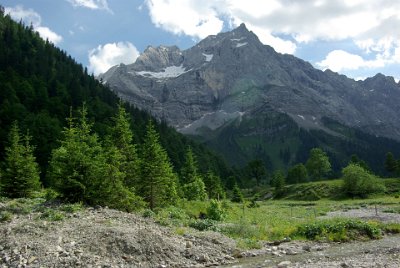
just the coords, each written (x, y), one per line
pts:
(39, 84)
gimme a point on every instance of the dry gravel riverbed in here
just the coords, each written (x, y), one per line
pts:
(107, 238)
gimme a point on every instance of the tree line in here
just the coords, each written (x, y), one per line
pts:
(113, 171)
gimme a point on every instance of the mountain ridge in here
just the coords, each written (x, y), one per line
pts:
(226, 77)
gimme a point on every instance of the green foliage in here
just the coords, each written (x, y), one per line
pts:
(38, 85)
(204, 225)
(237, 195)
(359, 182)
(122, 139)
(318, 164)
(158, 185)
(392, 165)
(195, 190)
(256, 170)
(81, 170)
(5, 216)
(148, 213)
(193, 185)
(72, 208)
(278, 181)
(357, 161)
(215, 211)
(21, 174)
(297, 174)
(172, 216)
(52, 215)
(214, 186)
(339, 230)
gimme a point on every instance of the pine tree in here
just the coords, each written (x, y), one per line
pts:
(122, 139)
(76, 165)
(390, 163)
(158, 185)
(214, 186)
(82, 170)
(193, 185)
(237, 195)
(21, 173)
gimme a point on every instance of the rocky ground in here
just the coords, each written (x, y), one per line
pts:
(101, 237)
(106, 238)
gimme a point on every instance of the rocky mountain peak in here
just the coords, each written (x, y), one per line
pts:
(157, 58)
(230, 75)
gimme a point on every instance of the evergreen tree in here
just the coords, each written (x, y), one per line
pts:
(158, 185)
(214, 186)
(390, 163)
(76, 165)
(278, 180)
(21, 173)
(193, 185)
(297, 173)
(82, 170)
(237, 195)
(122, 139)
(318, 164)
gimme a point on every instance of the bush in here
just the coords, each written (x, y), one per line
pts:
(215, 211)
(71, 208)
(52, 215)
(5, 216)
(342, 230)
(203, 225)
(359, 182)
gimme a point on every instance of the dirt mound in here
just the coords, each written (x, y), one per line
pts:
(106, 238)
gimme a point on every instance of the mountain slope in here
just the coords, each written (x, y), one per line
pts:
(38, 85)
(229, 79)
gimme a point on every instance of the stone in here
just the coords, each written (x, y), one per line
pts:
(284, 264)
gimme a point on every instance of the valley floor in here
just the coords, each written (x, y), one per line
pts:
(101, 237)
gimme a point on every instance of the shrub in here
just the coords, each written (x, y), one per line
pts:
(71, 208)
(52, 215)
(5, 216)
(359, 182)
(203, 225)
(148, 213)
(342, 230)
(215, 211)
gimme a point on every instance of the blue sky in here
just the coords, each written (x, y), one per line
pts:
(358, 38)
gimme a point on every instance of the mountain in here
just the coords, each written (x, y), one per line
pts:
(246, 100)
(39, 84)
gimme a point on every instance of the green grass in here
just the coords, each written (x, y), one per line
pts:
(278, 219)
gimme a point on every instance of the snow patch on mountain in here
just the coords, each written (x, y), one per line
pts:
(168, 72)
(241, 44)
(208, 56)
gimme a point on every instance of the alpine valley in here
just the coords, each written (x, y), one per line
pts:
(247, 101)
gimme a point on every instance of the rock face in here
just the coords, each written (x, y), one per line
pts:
(232, 74)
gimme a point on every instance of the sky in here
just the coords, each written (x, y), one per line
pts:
(358, 38)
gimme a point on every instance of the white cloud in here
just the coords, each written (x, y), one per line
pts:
(31, 17)
(91, 4)
(367, 23)
(339, 60)
(46, 33)
(194, 18)
(104, 57)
